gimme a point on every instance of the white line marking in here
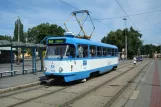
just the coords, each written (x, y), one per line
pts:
(134, 95)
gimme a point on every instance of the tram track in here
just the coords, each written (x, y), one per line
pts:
(113, 99)
(124, 65)
(43, 95)
(76, 98)
(138, 83)
(22, 90)
(97, 87)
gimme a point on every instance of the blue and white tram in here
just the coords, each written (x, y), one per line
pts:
(72, 58)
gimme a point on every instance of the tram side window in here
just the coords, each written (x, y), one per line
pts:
(71, 51)
(113, 52)
(82, 51)
(104, 51)
(116, 52)
(85, 52)
(92, 51)
(99, 51)
(109, 52)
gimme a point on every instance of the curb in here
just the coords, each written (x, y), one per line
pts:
(19, 87)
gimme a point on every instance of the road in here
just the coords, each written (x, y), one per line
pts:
(111, 89)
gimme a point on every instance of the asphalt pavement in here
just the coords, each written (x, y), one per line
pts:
(20, 80)
(7, 80)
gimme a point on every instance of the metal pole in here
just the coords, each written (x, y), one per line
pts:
(11, 59)
(41, 58)
(32, 60)
(18, 30)
(23, 61)
(80, 25)
(160, 48)
(35, 60)
(125, 39)
(160, 52)
(18, 20)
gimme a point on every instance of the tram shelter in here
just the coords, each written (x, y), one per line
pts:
(22, 46)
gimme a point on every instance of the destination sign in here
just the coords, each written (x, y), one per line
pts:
(51, 41)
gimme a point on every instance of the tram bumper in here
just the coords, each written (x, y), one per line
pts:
(68, 77)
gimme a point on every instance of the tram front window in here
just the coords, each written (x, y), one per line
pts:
(58, 51)
(55, 51)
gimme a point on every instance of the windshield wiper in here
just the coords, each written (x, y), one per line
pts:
(60, 56)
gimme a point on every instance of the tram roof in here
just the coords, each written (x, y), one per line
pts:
(83, 41)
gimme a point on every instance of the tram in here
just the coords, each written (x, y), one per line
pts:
(71, 58)
(75, 57)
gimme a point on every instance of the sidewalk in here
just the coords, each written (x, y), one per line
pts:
(17, 80)
(27, 65)
(149, 89)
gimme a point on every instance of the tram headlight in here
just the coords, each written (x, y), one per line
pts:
(45, 68)
(60, 69)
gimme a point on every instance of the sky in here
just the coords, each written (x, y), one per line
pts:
(35, 12)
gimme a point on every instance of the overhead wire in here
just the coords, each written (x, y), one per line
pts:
(127, 15)
(137, 14)
(91, 16)
(68, 4)
(102, 23)
(98, 19)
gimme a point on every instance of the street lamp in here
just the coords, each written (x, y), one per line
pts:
(160, 49)
(125, 39)
(159, 45)
(19, 51)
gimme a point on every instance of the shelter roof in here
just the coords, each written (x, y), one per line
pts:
(40, 45)
(5, 43)
(30, 45)
(18, 44)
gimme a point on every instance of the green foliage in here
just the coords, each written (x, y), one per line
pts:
(9, 38)
(36, 34)
(150, 49)
(21, 33)
(118, 38)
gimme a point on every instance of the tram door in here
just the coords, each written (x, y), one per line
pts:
(83, 55)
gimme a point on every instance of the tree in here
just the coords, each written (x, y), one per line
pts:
(149, 50)
(158, 48)
(36, 34)
(9, 38)
(118, 38)
(18, 29)
(25, 36)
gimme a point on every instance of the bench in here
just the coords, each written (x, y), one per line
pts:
(30, 69)
(13, 72)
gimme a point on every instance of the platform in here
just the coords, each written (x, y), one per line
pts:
(8, 79)
(148, 92)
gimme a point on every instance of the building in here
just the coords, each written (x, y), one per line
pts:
(5, 54)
